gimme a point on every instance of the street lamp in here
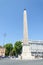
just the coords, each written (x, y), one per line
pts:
(4, 38)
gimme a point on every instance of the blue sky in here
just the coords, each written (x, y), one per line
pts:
(11, 20)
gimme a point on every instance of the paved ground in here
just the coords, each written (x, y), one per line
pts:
(20, 62)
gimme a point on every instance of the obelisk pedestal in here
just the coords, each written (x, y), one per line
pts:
(26, 53)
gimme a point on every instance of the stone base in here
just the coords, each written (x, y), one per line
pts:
(26, 54)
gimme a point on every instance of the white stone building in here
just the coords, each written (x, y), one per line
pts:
(36, 48)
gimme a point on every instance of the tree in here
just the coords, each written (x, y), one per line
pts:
(12, 53)
(8, 48)
(18, 48)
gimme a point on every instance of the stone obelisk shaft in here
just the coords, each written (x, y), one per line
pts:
(25, 26)
(26, 53)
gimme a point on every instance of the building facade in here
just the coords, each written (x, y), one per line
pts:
(36, 48)
(2, 51)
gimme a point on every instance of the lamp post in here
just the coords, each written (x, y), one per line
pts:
(4, 38)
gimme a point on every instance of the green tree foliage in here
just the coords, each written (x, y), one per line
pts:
(18, 48)
(8, 48)
(12, 53)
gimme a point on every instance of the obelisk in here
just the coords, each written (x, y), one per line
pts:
(25, 28)
(26, 53)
